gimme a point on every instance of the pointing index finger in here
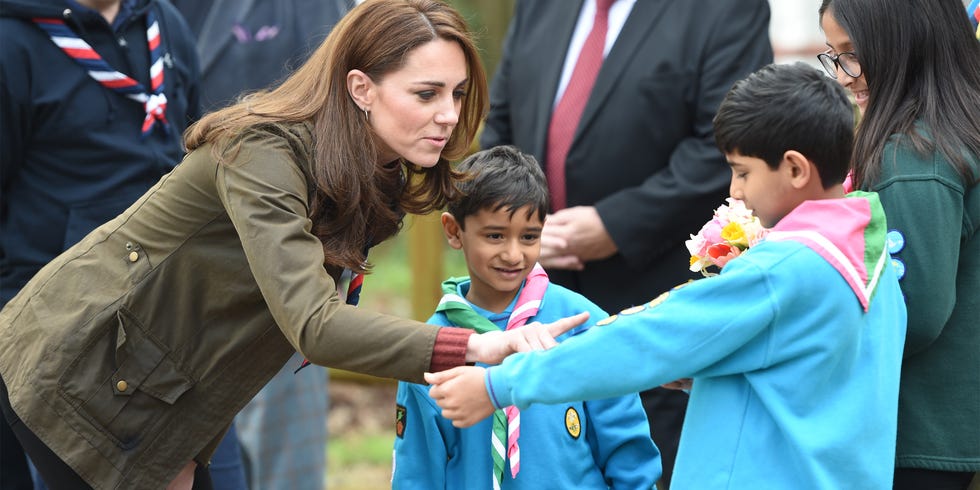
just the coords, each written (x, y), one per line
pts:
(559, 327)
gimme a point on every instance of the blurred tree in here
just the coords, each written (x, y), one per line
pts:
(488, 19)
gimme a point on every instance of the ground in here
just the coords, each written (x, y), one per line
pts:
(361, 423)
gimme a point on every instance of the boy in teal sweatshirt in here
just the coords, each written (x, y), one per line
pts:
(599, 444)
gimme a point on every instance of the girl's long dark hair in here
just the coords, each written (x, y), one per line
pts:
(921, 62)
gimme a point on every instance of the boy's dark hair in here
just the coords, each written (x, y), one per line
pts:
(501, 177)
(784, 107)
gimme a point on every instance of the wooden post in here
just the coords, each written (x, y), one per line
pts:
(425, 252)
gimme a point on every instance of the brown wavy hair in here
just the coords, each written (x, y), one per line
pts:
(351, 206)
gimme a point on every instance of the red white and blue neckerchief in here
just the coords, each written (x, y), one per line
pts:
(352, 296)
(154, 101)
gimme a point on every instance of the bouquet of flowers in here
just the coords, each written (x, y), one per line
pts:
(731, 231)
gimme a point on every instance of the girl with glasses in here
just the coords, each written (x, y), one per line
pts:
(914, 69)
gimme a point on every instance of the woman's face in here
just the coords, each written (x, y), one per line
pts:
(840, 42)
(415, 108)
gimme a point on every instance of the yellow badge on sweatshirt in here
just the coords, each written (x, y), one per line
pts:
(659, 299)
(605, 321)
(632, 310)
(572, 423)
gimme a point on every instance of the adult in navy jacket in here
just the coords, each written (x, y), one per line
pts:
(72, 152)
(642, 172)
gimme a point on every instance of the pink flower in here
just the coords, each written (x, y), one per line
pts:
(711, 231)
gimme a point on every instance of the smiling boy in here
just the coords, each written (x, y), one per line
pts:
(589, 445)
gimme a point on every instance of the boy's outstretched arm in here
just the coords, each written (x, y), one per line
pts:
(462, 394)
(493, 347)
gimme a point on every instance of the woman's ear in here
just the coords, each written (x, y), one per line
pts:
(801, 170)
(452, 230)
(361, 89)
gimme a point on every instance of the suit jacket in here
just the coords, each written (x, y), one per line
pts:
(247, 45)
(132, 350)
(644, 152)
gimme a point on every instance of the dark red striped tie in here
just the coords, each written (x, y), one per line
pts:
(568, 112)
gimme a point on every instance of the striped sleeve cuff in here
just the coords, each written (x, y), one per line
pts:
(449, 350)
(490, 391)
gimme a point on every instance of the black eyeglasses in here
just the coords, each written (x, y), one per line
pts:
(846, 61)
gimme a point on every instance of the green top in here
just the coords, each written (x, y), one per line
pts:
(938, 216)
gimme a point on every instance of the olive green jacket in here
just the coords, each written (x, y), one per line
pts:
(130, 353)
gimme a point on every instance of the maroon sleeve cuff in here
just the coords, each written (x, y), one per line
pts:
(449, 350)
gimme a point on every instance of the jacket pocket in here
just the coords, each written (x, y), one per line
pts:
(124, 382)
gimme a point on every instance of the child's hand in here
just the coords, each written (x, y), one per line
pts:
(493, 347)
(185, 479)
(461, 394)
(683, 384)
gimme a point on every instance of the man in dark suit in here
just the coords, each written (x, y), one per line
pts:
(642, 171)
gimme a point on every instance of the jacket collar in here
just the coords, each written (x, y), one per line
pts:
(28, 9)
(848, 233)
(216, 31)
(642, 18)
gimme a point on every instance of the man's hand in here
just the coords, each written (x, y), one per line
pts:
(493, 347)
(461, 394)
(573, 236)
(554, 249)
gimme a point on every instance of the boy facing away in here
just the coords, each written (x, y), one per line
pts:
(589, 445)
(795, 347)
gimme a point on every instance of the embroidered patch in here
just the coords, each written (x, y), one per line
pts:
(400, 419)
(630, 311)
(899, 268)
(605, 321)
(572, 423)
(895, 241)
(659, 299)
